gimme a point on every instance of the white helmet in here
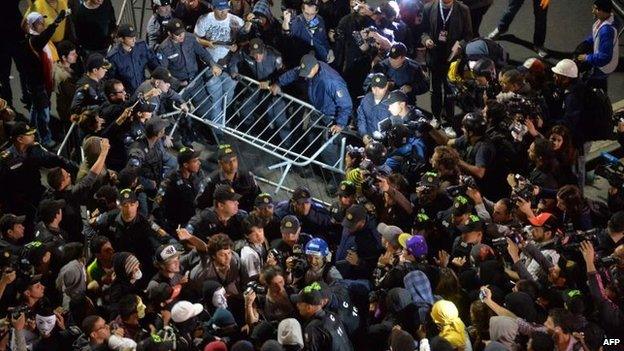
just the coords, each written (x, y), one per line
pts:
(566, 68)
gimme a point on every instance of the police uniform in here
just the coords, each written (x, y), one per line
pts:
(206, 224)
(410, 73)
(88, 96)
(179, 197)
(318, 222)
(181, 58)
(20, 177)
(129, 67)
(163, 102)
(311, 35)
(369, 113)
(337, 210)
(155, 162)
(156, 30)
(324, 332)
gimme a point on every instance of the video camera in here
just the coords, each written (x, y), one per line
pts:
(521, 188)
(465, 182)
(612, 170)
(300, 262)
(359, 40)
(571, 239)
(519, 109)
(516, 234)
(254, 286)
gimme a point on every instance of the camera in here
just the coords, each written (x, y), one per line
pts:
(612, 170)
(278, 256)
(516, 234)
(465, 182)
(572, 239)
(300, 263)
(17, 311)
(359, 40)
(607, 261)
(521, 189)
(254, 286)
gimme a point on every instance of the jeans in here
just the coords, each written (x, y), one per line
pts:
(217, 87)
(39, 118)
(540, 14)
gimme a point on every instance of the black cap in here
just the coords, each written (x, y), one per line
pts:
(127, 195)
(379, 80)
(263, 199)
(21, 128)
(308, 61)
(256, 46)
(472, 224)
(95, 61)
(430, 180)
(398, 50)
(226, 151)
(162, 74)
(312, 294)
(301, 195)
(461, 205)
(186, 154)
(26, 282)
(154, 125)
(49, 207)
(396, 96)
(9, 220)
(224, 192)
(346, 188)
(289, 224)
(354, 214)
(175, 26)
(126, 30)
(145, 106)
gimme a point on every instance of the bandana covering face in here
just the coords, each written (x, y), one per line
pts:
(45, 324)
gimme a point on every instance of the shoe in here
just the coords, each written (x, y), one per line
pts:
(495, 34)
(541, 52)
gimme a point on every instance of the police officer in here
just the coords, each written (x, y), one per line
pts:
(263, 63)
(223, 217)
(150, 156)
(327, 92)
(292, 241)
(161, 79)
(346, 197)
(181, 188)
(130, 231)
(90, 91)
(323, 329)
(179, 52)
(264, 208)
(243, 182)
(315, 219)
(130, 57)
(20, 171)
(373, 107)
(156, 25)
(404, 73)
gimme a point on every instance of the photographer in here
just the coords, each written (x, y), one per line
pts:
(575, 208)
(272, 299)
(544, 229)
(291, 243)
(429, 198)
(360, 245)
(613, 236)
(319, 260)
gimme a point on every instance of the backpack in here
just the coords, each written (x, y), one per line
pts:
(597, 121)
(599, 212)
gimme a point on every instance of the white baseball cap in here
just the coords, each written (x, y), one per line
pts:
(566, 68)
(33, 17)
(184, 310)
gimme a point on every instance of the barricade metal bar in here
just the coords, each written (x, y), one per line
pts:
(288, 189)
(264, 113)
(66, 139)
(293, 130)
(284, 125)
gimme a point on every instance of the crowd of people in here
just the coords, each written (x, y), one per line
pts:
(461, 228)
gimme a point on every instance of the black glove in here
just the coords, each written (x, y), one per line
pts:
(60, 17)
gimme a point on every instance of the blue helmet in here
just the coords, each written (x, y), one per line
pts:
(317, 246)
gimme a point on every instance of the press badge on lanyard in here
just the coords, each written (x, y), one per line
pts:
(444, 33)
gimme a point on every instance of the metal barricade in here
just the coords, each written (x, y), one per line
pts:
(280, 132)
(72, 132)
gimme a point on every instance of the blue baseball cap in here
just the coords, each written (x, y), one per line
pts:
(221, 4)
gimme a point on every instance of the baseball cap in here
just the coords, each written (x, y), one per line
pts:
(34, 17)
(154, 125)
(472, 224)
(165, 252)
(312, 294)
(354, 214)
(430, 179)
(390, 233)
(546, 220)
(221, 318)
(256, 46)
(289, 224)
(127, 195)
(21, 128)
(126, 30)
(8, 220)
(175, 26)
(95, 61)
(224, 192)
(162, 74)
(220, 4)
(416, 245)
(461, 205)
(27, 281)
(396, 96)
(397, 50)
(184, 310)
(308, 61)
(225, 152)
(346, 188)
(379, 80)
(301, 195)
(187, 154)
(422, 221)
(263, 199)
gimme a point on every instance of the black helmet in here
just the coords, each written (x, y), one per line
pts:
(475, 123)
(376, 152)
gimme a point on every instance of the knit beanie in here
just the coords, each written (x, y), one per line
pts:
(445, 314)
(130, 264)
(289, 332)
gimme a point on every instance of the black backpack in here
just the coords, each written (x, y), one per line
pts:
(597, 119)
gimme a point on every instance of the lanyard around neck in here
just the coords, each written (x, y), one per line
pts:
(448, 15)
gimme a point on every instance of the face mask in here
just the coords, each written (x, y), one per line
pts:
(45, 324)
(140, 309)
(218, 298)
(136, 276)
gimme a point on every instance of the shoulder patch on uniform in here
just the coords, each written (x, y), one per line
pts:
(85, 87)
(340, 93)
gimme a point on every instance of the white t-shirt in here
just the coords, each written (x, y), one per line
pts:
(209, 28)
